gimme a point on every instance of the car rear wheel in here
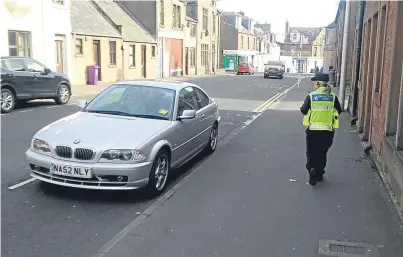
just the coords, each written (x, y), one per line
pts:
(7, 100)
(63, 95)
(213, 140)
(159, 173)
(281, 77)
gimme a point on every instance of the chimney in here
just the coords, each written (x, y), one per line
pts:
(287, 25)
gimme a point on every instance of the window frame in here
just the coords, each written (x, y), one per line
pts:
(176, 19)
(81, 47)
(153, 51)
(132, 56)
(19, 46)
(112, 53)
(205, 19)
(162, 13)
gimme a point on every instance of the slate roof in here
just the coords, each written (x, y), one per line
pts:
(311, 33)
(86, 20)
(132, 30)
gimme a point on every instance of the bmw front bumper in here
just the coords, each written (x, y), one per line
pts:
(103, 174)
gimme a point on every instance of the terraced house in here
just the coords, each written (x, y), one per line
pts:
(165, 21)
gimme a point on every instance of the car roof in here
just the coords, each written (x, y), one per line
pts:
(168, 84)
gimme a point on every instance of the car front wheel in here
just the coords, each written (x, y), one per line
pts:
(159, 173)
(7, 100)
(63, 95)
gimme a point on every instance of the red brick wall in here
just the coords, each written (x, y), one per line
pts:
(379, 101)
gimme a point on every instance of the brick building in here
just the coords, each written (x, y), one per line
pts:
(380, 86)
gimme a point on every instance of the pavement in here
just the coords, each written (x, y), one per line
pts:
(48, 221)
(250, 198)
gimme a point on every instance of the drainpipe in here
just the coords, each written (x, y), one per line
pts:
(344, 56)
(358, 58)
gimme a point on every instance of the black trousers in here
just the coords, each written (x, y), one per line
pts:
(318, 144)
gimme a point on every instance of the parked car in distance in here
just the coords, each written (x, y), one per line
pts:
(129, 136)
(24, 79)
(245, 68)
(274, 69)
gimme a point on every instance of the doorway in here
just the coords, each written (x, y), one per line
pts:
(143, 61)
(60, 54)
(96, 50)
(186, 60)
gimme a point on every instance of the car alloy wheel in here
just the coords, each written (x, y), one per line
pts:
(7, 101)
(213, 140)
(63, 95)
(161, 172)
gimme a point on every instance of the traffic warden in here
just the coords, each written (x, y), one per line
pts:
(321, 110)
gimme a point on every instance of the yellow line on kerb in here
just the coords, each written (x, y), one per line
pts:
(262, 107)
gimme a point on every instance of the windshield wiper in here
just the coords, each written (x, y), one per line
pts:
(148, 116)
(111, 112)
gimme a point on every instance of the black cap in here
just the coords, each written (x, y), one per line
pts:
(321, 77)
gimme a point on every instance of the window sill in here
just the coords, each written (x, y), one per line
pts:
(152, 57)
(132, 67)
(79, 55)
(175, 28)
(112, 66)
(60, 6)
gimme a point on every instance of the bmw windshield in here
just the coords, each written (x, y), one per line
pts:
(134, 101)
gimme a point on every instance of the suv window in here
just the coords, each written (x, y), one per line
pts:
(187, 100)
(202, 98)
(274, 63)
(33, 66)
(13, 64)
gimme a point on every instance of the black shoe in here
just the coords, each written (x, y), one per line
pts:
(312, 178)
(319, 178)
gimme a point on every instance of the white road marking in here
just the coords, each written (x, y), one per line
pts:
(22, 183)
(30, 110)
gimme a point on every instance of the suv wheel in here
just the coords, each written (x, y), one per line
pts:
(63, 95)
(7, 100)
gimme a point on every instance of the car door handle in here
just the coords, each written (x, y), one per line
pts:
(202, 116)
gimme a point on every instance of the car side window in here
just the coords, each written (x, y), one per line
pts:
(13, 64)
(187, 100)
(202, 98)
(33, 66)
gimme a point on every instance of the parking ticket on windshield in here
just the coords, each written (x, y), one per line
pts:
(163, 112)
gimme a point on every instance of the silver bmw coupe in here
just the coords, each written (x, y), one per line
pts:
(129, 136)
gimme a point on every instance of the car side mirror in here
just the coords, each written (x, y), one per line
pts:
(47, 71)
(82, 103)
(187, 115)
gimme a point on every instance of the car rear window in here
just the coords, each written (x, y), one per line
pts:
(274, 63)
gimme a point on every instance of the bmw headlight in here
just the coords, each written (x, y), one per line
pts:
(123, 155)
(40, 146)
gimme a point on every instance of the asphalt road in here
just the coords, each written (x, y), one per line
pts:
(48, 221)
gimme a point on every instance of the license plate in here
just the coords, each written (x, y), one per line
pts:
(71, 171)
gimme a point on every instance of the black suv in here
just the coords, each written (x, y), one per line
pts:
(24, 79)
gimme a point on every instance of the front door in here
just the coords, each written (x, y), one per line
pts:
(143, 61)
(96, 50)
(59, 56)
(187, 61)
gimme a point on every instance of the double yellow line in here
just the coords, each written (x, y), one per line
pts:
(268, 103)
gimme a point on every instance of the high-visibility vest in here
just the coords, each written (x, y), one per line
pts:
(322, 114)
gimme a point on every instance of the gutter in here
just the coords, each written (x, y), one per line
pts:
(358, 58)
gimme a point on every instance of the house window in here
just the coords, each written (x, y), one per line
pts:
(19, 43)
(112, 52)
(294, 36)
(214, 23)
(192, 56)
(205, 18)
(61, 2)
(176, 22)
(79, 46)
(132, 56)
(153, 52)
(327, 36)
(193, 30)
(380, 49)
(162, 16)
(315, 51)
(204, 55)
